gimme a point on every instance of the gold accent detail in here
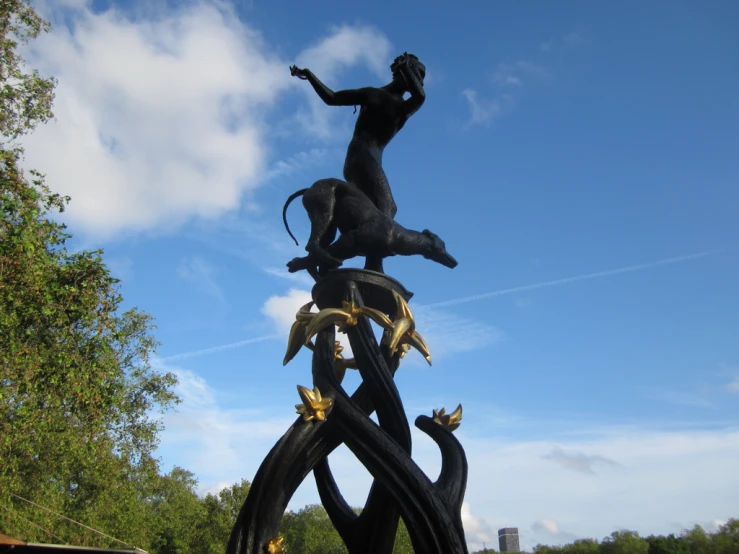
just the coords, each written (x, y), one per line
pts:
(276, 546)
(297, 337)
(313, 406)
(344, 317)
(403, 334)
(449, 421)
(341, 364)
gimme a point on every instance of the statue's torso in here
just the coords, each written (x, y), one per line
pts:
(379, 121)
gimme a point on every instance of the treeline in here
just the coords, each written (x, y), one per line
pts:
(694, 541)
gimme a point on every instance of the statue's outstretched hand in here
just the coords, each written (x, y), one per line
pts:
(295, 71)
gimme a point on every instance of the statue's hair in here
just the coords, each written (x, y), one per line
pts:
(415, 63)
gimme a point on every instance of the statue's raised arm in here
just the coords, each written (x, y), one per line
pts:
(340, 98)
(413, 72)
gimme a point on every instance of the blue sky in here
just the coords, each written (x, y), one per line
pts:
(596, 141)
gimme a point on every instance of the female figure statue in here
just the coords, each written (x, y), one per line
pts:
(382, 114)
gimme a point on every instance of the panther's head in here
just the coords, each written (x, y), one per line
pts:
(436, 250)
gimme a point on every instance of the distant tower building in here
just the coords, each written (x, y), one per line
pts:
(508, 539)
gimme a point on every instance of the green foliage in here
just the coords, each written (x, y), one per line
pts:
(726, 539)
(698, 540)
(25, 98)
(76, 386)
(667, 545)
(310, 531)
(693, 541)
(624, 542)
(217, 517)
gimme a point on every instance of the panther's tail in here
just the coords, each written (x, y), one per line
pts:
(293, 196)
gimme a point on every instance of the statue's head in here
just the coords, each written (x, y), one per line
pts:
(411, 61)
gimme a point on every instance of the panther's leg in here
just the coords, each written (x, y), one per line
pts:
(306, 262)
(374, 263)
(374, 239)
(296, 264)
(319, 202)
(345, 246)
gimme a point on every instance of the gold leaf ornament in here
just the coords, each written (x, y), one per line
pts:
(314, 406)
(341, 364)
(449, 421)
(276, 546)
(403, 335)
(344, 317)
(297, 339)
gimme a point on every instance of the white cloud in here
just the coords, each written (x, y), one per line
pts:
(481, 111)
(447, 333)
(218, 444)
(219, 348)
(476, 530)
(668, 481)
(162, 119)
(282, 309)
(516, 73)
(573, 39)
(680, 398)
(579, 462)
(546, 525)
(201, 274)
(344, 47)
(733, 386)
(300, 278)
(296, 162)
(120, 267)
(157, 120)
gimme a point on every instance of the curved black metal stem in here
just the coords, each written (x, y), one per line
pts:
(431, 511)
(452, 479)
(374, 530)
(305, 445)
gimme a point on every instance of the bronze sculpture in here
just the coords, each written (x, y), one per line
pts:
(364, 231)
(362, 209)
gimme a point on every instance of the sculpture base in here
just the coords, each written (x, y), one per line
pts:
(376, 289)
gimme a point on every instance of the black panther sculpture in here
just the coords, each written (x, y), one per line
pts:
(365, 231)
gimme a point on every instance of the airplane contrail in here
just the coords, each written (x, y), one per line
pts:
(455, 301)
(567, 280)
(194, 353)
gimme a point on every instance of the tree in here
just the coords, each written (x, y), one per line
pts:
(218, 516)
(726, 539)
(698, 540)
(25, 98)
(624, 542)
(582, 546)
(76, 386)
(667, 545)
(546, 549)
(176, 511)
(310, 531)
(403, 544)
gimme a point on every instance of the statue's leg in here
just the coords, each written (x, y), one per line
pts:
(367, 174)
(320, 202)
